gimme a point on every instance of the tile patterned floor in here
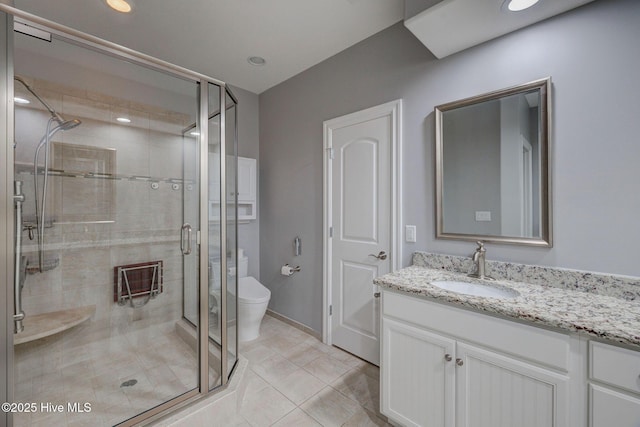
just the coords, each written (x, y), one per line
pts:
(65, 369)
(295, 380)
(292, 379)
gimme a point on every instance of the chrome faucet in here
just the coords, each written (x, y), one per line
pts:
(478, 258)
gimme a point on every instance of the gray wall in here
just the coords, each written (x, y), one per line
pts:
(591, 54)
(249, 232)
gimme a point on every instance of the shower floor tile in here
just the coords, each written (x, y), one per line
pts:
(121, 379)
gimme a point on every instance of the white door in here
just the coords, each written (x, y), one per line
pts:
(360, 218)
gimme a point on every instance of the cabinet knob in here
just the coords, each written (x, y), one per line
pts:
(459, 362)
(448, 357)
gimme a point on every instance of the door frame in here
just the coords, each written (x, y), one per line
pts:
(393, 109)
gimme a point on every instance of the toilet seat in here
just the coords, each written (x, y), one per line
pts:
(251, 291)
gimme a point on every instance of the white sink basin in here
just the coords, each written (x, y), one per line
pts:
(475, 289)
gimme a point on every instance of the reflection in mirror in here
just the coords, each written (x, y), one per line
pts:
(492, 170)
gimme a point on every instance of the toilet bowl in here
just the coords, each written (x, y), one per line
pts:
(253, 300)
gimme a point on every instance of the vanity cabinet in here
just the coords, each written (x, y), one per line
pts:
(443, 366)
(614, 386)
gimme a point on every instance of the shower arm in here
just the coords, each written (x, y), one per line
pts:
(53, 112)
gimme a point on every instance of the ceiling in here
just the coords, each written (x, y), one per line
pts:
(216, 37)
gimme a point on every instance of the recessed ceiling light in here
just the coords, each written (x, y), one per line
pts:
(257, 60)
(19, 100)
(518, 5)
(119, 5)
(194, 133)
(123, 120)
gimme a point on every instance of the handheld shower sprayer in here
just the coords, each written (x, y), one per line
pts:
(40, 200)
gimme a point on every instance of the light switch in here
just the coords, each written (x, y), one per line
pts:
(410, 233)
(483, 215)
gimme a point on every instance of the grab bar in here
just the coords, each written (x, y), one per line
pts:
(18, 317)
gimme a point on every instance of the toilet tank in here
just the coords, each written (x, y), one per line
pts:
(243, 266)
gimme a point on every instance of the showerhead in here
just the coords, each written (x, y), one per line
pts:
(62, 126)
(70, 124)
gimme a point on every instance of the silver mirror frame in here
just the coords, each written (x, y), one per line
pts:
(546, 228)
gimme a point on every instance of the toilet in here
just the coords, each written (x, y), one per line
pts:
(253, 298)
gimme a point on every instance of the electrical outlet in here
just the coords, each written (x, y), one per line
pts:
(410, 233)
(483, 215)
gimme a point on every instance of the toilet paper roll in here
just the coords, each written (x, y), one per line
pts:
(286, 270)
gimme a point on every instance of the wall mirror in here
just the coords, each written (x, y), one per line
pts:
(492, 166)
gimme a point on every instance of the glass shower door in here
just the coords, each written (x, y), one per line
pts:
(110, 179)
(222, 230)
(231, 188)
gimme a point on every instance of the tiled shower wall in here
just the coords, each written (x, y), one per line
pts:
(146, 222)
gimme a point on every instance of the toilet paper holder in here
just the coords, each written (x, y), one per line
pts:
(287, 270)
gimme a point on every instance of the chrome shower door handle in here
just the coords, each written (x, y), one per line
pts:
(382, 255)
(185, 227)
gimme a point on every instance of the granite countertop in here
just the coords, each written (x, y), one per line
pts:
(594, 315)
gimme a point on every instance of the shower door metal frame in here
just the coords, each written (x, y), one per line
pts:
(7, 14)
(7, 209)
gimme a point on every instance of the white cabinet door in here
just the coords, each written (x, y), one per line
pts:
(246, 188)
(417, 376)
(610, 408)
(246, 179)
(614, 367)
(494, 390)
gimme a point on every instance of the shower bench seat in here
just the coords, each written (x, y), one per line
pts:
(46, 324)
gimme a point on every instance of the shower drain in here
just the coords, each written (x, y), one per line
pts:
(129, 383)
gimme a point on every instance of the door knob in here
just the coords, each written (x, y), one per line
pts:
(376, 294)
(382, 255)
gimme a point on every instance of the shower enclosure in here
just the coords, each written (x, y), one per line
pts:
(118, 198)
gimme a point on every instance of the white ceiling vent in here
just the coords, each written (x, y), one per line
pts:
(454, 25)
